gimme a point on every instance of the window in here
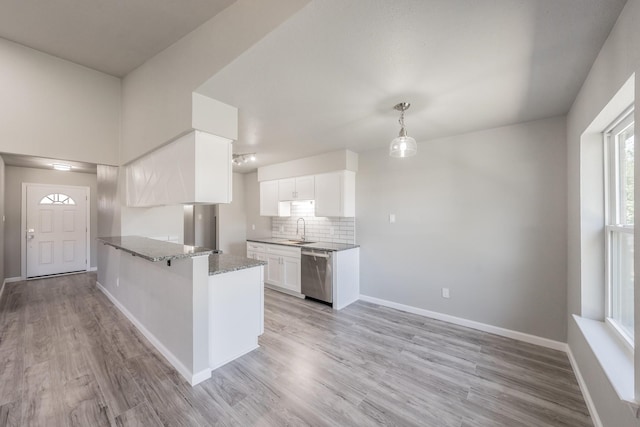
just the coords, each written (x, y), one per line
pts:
(57, 199)
(619, 140)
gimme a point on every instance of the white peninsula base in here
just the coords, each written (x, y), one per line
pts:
(198, 310)
(236, 313)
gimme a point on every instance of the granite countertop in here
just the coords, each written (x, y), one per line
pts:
(154, 250)
(225, 263)
(315, 245)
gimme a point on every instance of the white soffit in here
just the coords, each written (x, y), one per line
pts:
(109, 36)
(327, 78)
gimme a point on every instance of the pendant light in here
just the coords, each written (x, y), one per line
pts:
(403, 145)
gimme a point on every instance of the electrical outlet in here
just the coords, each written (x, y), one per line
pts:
(117, 282)
(445, 293)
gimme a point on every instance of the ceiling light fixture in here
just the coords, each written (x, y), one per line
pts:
(240, 159)
(403, 145)
(61, 167)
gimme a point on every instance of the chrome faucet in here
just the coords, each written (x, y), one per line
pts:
(304, 224)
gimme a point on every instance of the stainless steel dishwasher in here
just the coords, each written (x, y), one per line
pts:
(317, 274)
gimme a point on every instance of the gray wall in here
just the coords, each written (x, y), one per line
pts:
(108, 201)
(232, 221)
(14, 177)
(262, 224)
(483, 214)
(109, 222)
(618, 59)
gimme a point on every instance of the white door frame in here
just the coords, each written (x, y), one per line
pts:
(23, 223)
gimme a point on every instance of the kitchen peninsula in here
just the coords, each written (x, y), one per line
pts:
(199, 308)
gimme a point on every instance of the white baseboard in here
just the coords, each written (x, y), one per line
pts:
(191, 378)
(93, 269)
(585, 391)
(203, 375)
(284, 291)
(520, 336)
(8, 280)
(242, 353)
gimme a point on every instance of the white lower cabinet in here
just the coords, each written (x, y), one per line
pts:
(273, 274)
(291, 274)
(283, 265)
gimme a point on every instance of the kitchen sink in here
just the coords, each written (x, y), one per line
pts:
(297, 242)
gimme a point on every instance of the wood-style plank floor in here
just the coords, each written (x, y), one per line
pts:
(68, 357)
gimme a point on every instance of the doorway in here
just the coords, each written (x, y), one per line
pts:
(55, 226)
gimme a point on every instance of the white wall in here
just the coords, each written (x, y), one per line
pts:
(161, 222)
(54, 108)
(314, 165)
(14, 177)
(617, 61)
(157, 96)
(257, 226)
(231, 231)
(483, 214)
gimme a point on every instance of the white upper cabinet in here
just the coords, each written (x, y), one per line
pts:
(269, 198)
(301, 188)
(195, 168)
(305, 188)
(286, 189)
(335, 194)
(270, 204)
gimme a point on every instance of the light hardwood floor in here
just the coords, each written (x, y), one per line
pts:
(68, 357)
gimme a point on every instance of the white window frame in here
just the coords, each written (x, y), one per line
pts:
(613, 219)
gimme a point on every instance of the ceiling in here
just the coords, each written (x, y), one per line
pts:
(328, 78)
(113, 36)
(45, 163)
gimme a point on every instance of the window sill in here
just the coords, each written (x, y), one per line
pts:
(614, 357)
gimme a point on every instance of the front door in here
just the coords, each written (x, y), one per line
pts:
(56, 229)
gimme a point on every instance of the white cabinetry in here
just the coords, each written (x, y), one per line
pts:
(301, 188)
(283, 265)
(335, 194)
(257, 251)
(195, 168)
(270, 204)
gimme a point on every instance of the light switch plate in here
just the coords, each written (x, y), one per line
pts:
(392, 218)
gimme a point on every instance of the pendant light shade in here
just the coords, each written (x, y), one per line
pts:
(403, 145)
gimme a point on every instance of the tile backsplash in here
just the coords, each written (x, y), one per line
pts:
(319, 229)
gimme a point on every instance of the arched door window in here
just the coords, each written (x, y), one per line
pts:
(57, 199)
